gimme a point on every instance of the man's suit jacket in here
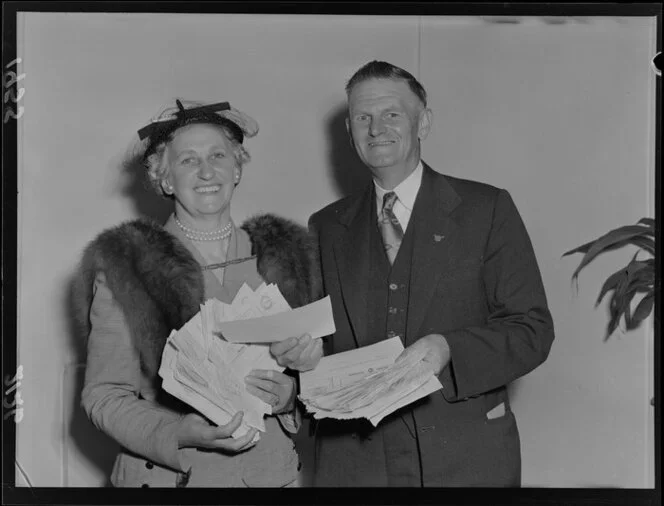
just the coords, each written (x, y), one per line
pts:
(475, 280)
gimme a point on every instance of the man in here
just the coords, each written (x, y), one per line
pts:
(447, 265)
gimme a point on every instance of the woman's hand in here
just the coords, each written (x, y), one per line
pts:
(275, 388)
(196, 432)
(298, 353)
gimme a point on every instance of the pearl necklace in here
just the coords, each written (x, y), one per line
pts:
(200, 235)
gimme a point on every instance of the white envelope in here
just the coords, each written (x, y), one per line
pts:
(314, 319)
(348, 367)
(191, 397)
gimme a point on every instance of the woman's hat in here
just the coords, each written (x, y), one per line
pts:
(161, 127)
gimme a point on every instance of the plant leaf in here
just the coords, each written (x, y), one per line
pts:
(617, 306)
(585, 247)
(636, 287)
(649, 222)
(620, 308)
(637, 266)
(627, 299)
(639, 274)
(611, 283)
(603, 243)
(613, 322)
(620, 233)
(648, 229)
(623, 302)
(636, 281)
(637, 277)
(642, 241)
(643, 309)
(641, 287)
(645, 243)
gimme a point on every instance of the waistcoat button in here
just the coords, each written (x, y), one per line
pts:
(393, 286)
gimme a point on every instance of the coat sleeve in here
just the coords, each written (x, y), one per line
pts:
(518, 332)
(113, 378)
(314, 227)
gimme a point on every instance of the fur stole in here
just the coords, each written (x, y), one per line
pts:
(159, 285)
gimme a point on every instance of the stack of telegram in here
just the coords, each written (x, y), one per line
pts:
(367, 382)
(207, 372)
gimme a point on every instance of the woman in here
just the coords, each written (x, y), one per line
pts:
(139, 281)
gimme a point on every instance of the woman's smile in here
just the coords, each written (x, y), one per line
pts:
(208, 189)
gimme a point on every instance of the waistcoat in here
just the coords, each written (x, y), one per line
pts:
(388, 287)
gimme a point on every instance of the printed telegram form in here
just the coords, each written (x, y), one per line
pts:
(366, 382)
(207, 371)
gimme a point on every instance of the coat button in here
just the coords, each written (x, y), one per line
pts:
(393, 286)
(391, 333)
(149, 465)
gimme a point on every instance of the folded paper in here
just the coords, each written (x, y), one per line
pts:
(314, 319)
(207, 372)
(366, 382)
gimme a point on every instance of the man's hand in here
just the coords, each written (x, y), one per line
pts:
(298, 353)
(437, 350)
(196, 432)
(273, 387)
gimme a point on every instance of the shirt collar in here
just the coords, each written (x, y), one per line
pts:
(406, 190)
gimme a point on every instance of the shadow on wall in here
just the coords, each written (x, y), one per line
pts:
(137, 188)
(346, 170)
(513, 392)
(94, 448)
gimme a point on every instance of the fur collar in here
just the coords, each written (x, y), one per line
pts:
(159, 285)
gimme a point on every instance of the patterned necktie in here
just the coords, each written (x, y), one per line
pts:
(390, 228)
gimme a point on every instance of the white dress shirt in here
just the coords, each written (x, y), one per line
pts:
(406, 192)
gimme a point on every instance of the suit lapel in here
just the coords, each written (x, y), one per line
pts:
(351, 252)
(434, 229)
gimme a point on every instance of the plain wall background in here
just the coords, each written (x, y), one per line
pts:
(559, 112)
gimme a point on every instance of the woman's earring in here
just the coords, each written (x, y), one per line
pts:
(168, 189)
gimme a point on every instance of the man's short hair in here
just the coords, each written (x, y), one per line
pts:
(384, 70)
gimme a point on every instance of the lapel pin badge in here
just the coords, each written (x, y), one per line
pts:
(438, 238)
